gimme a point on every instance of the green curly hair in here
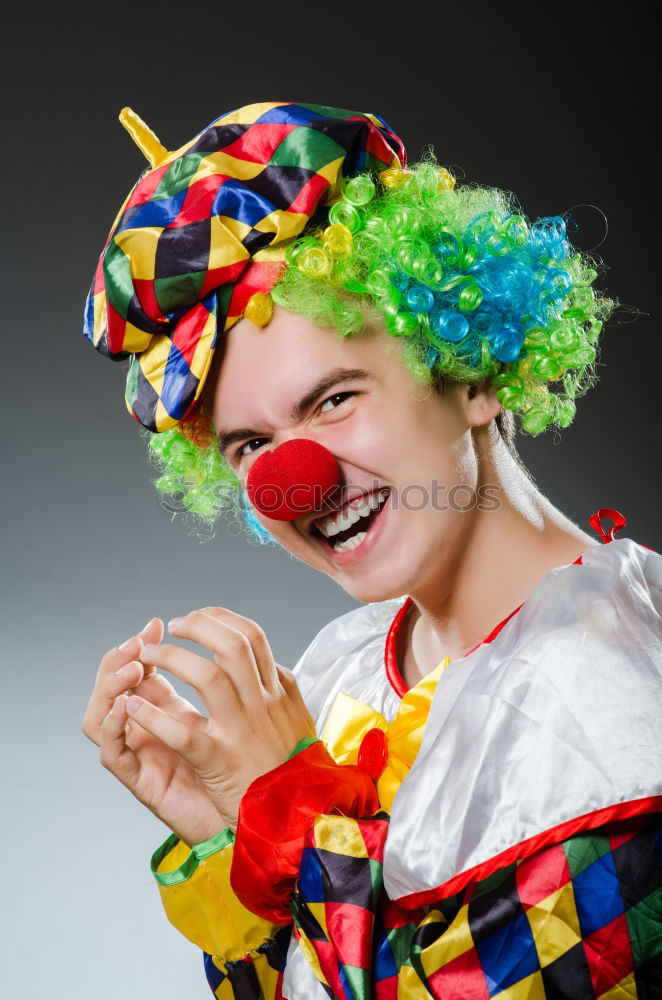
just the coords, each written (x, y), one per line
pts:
(472, 288)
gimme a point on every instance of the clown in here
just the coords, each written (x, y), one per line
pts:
(457, 790)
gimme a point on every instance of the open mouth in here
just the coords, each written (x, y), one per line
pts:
(346, 529)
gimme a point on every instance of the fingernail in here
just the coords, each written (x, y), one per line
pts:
(126, 670)
(125, 645)
(144, 629)
(133, 704)
(174, 624)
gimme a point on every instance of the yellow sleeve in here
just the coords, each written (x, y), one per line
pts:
(194, 884)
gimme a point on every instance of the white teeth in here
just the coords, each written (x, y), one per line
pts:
(336, 523)
(351, 543)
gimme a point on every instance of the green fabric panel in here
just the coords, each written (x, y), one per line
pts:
(583, 850)
(118, 279)
(645, 927)
(132, 378)
(306, 147)
(178, 290)
(178, 175)
(359, 980)
(492, 882)
(377, 880)
(327, 112)
(400, 940)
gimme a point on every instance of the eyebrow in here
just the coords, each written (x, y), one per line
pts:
(335, 377)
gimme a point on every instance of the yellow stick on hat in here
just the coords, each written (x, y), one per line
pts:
(142, 135)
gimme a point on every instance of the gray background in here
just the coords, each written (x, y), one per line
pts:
(559, 110)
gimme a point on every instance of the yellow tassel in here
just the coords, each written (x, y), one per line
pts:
(143, 137)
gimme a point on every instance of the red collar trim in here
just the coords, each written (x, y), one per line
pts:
(393, 673)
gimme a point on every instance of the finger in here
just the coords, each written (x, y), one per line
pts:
(231, 649)
(152, 632)
(160, 692)
(110, 683)
(259, 644)
(209, 679)
(195, 747)
(115, 755)
(291, 688)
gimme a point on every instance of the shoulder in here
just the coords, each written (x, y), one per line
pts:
(552, 727)
(348, 652)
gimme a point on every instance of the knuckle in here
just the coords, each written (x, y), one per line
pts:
(210, 674)
(253, 632)
(186, 742)
(237, 643)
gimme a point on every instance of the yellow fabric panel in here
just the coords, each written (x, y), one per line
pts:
(340, 835)
(238, 228)
(285, 224)
(531, 988)
(455, 941)
(140, 247)
(410, 986)
(554, 924)
(625, 990)
(100, 323)
(205, 910)
(202, 358)
(249, 114)
(224, 248)
(267, 978)
(311, 957)
(224, 163)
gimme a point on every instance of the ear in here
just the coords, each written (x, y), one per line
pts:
(481, 403)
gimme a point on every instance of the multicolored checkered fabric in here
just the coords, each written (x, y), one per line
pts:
(256, 978)
(581, 920)
(206, 228)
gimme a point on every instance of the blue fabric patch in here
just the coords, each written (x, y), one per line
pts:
(508, 955)
(158, 213)
(597, 895)
(311, 885)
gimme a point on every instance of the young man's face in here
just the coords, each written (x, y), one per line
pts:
(386, 431)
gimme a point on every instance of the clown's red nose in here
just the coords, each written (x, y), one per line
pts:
(293, 479)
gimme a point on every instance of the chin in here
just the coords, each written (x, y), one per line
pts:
(372, 588)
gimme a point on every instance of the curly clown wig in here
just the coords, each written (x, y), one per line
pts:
(314, 208)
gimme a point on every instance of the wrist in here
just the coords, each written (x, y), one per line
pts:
(200, 832)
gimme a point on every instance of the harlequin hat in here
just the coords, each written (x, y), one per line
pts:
(202, 236)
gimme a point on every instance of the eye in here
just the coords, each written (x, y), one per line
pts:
(240, 453)
(336, 399)
(342, 396)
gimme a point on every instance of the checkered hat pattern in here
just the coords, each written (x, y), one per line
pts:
(205, 228)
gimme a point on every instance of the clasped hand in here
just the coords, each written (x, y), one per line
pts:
(190, 769)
